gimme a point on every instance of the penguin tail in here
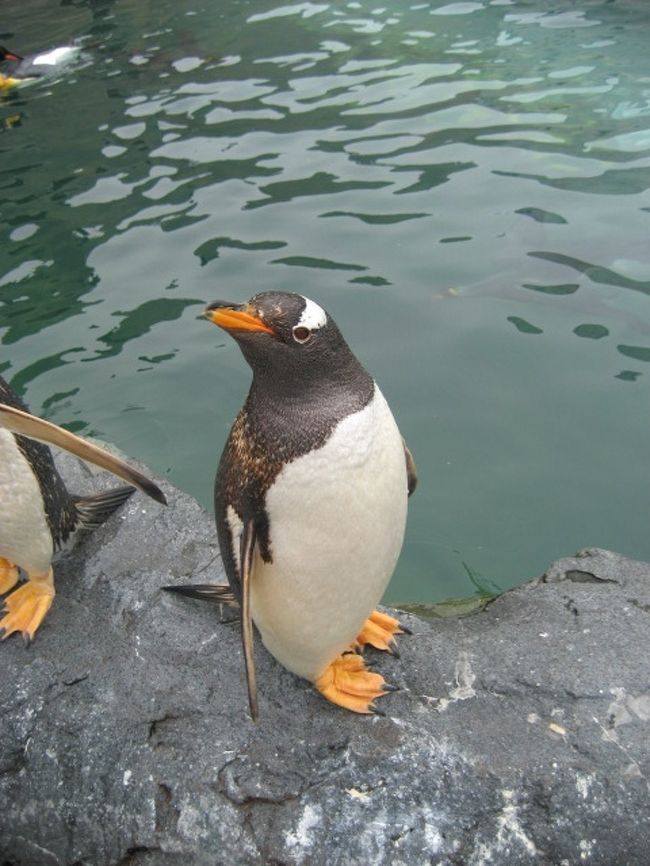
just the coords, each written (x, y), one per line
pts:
(207, 591)
(94, 510)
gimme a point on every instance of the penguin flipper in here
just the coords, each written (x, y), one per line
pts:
(26, 424)
(248, 540)
(220, 593)
(94, 510)
(411, 470)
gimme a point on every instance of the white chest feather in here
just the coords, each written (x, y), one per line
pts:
(337, 518)
(25, 537)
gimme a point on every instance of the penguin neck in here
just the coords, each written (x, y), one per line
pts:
(307, 401)
(342, 383)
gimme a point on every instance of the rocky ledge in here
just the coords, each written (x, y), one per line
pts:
(520, 734)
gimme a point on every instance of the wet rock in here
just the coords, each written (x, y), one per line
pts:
(520, 734)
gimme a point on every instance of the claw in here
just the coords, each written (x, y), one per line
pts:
(380, 631)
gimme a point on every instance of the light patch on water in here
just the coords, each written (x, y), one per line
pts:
(113, 150)
(129, 131)
(21, 233)
(458, 9)
(537, 95)
(106, 189)
(573, 72)
(334, 47)
(628, 142)
(522, 135)
(187, 64)
(389, 144)
(553, 20)
(305, 10)
(505, 38)
(24, 271)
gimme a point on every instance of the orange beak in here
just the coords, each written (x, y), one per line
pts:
(235, 317)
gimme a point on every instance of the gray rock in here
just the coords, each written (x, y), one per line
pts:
(519, 736)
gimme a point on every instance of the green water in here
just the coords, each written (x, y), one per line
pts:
(465, 186)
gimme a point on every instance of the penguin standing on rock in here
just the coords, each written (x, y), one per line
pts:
(38, 516)
(310, 499)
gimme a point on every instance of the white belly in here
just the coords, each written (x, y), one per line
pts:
(25, 537)
(56, 56)
(337, 519)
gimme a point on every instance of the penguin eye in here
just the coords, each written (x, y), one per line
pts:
(301, 334)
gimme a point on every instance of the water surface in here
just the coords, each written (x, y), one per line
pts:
(464, 186)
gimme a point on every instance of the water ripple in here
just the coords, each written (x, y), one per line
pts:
(473, 177)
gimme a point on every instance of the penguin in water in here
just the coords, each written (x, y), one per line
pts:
(310, 499)
(20, 70)
(38, 516)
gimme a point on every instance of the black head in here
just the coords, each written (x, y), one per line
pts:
(290, 342)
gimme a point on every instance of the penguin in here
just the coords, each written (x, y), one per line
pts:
(310, 500)
(25, 70)
(38, 516)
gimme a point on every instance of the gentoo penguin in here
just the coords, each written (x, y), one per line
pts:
(38, 516)
(19, 70)
(310, 499)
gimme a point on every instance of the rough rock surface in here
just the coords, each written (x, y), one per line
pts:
(520, 735)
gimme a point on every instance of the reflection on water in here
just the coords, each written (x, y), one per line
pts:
(449, 179)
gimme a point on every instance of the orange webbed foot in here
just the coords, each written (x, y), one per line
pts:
(25, 608)
(380, 630)
(8, 575)
(348, 682)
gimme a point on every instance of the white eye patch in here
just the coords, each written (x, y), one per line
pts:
(313, 316)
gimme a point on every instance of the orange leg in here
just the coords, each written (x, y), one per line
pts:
(379, 630)
(25, 607)
(347, 682)
(8, 575)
